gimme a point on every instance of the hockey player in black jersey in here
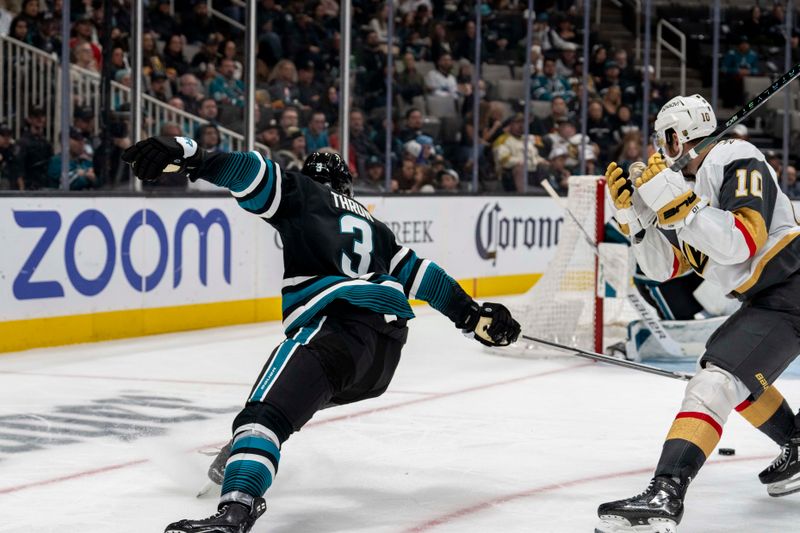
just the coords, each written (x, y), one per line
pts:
(345, 296)
(725, 217)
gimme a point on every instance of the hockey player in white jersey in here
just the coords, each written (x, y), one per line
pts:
(725, 217)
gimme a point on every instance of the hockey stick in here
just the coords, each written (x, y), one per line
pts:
(635, 299)
(737, 117)
(683, 376)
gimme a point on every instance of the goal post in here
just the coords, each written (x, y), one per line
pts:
(568, 304)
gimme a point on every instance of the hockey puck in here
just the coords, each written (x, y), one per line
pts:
(727, 451)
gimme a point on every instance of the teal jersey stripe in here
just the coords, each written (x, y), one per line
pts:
(259, 443)
(290, 299)
(436, 287)
(379, 298)
(259, 201)
(281, 356)
(238, 172)
(405, 273)
(250, 477)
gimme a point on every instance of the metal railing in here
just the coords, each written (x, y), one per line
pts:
(30, 77)
(222, 16)
(680, 53)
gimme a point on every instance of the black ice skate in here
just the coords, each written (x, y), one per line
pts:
(658, 509)
(232, 517)
(782, 477)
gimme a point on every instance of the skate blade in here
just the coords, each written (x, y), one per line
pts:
(617, 524)
(785, 487)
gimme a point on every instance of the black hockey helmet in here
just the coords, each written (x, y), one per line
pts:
(331, 170)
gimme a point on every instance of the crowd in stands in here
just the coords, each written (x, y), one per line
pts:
(193, 64)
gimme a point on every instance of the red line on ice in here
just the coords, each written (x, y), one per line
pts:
(499, 500)
(366, 412)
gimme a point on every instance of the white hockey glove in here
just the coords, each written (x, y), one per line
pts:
(630, 211)
(667, 193)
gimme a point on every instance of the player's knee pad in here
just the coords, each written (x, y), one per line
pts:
(715, 392)
(265, 415)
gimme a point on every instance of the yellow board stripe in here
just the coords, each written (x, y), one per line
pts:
(761, 410)
(696, 431)
(780, 245)
(55, 331)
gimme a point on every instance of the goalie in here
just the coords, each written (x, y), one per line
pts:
(724, 217)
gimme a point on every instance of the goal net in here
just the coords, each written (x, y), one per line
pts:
(568, 304)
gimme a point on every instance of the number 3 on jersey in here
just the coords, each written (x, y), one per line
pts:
(361, 247)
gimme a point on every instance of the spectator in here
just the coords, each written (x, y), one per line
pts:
(283, 83)
(549, 84)
(379, 25)
(316, 135)
(309, 91)
(159, 87)
(630, 150)
(46, 37)
(33, 153)
(6, 17)
(509, 154)
(565, 66)
(151, 59)
(537, 60)
(373, 180)
(423, 180)
(270, 136)
(208, 110)
(776, 24)
(360, 144)
(118, 60)
(290, 118)
(174, 60)
(161, 20)
(293, 154)
(413, 126)
(82, 57)
(209, 138)
(465, 49)
(225, 88)
(170, 129)
(373, 59)
(198, 25)
(612, 99)
(447, 181)
(565, 130)
(404, 178)
(558, 112)
(502, 54)
(624, 123)
(597, 66)
(19, 30)
(599, 129)
(177, 102)
(80, 172)
(6, 156)
(204, 62)
(229, 52)
(30, 13)
(627, 75)
(792, 187)
(410, 82)
(775, 161)
(189, 92)
(83, 33)
(737, 64)
(556, 172)
(590, 151)
(754, 26)
(83, 121)
(440, 81)
(330, 104)
(440, 44)
(611, 76)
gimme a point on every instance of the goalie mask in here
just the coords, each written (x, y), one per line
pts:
(688, 118)
(329, 169)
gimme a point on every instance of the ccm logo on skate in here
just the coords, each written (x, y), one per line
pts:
(495, 231)
(50, 221)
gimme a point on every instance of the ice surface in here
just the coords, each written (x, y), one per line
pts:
(462, 441)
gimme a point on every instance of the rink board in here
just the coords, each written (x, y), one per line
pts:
(93, 268)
